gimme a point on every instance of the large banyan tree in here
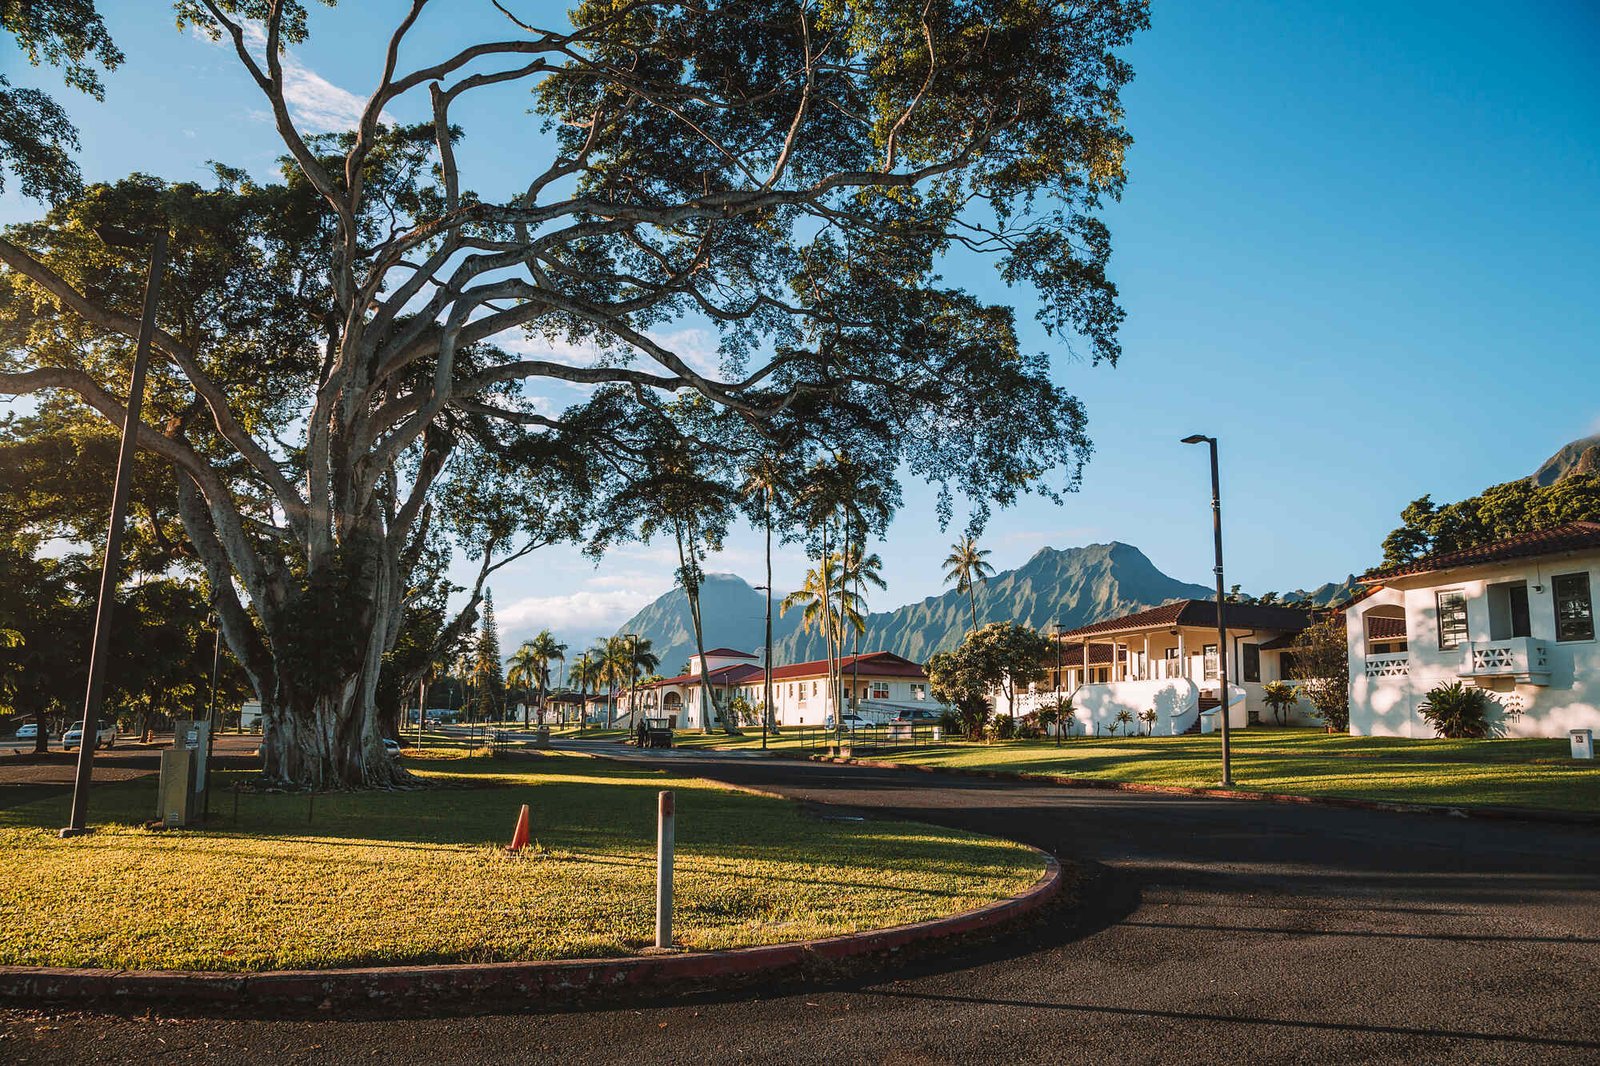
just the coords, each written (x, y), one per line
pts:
(350, 355)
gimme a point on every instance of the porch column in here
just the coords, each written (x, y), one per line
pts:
(1086, 660)
(1144, 667)
(1183, 657)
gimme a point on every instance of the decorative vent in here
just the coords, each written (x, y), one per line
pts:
(1379, 666)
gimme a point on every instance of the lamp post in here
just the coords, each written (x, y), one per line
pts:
(99, 649)
(1060, 725)
(583, 695)
(211, 733)
(1222, 625)
(766, 670)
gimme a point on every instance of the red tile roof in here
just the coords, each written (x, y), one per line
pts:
(732, 674)
(1197, 613)
(873, 664)
(1571, 537)
(1383, 627)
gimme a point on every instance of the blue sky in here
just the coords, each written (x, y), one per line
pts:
(1360, 244)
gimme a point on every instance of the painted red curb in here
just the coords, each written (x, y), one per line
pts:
(1521, 814)
(529, 984)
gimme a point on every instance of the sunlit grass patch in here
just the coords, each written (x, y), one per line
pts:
(369, 879)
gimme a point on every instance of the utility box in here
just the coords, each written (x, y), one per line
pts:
(1582, 743)
(176, 795)
(195, 735)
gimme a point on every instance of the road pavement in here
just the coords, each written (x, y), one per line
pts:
(1210, 930)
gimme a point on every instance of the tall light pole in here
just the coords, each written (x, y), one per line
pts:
(1060, 724)
(211, 733)
(99, 650)
(1222, 625)
(766, 668)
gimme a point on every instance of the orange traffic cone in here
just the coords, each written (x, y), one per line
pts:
(519, 837)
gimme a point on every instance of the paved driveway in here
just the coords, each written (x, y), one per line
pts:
(1214, 931)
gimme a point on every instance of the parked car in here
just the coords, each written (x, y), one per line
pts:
(105, 736)
(919, 715)
(28, 732)
(852, 722)
(391, 748)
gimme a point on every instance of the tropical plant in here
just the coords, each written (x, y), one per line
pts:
(1124, 718)
(1148, 718)
(967, 567)
(1280, 696)
(1497, 513)
(1001, 656)
(1456, 711)
(338, 379)
(1321, 663)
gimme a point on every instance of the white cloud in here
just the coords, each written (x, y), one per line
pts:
(315, 103)
(586, 610)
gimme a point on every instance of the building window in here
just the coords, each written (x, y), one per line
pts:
(1574, 607)
(1251, 668)
(1286, 666)
(1213, 665)
(919, 692)
(802, 693)
(1452, 619)
(880, 690)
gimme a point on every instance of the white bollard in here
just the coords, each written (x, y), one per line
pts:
(665, 820)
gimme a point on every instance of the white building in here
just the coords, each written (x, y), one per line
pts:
(1167, 659)
(1515, 618)
(885, 684)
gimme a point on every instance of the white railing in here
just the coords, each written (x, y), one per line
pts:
(1522, 658)
(1395, 665)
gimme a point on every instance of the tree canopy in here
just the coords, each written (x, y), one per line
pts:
(1496, 513)
(346, 345)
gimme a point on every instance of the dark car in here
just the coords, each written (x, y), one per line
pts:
(918, 714)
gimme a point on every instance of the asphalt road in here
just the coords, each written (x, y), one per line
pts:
(1210, 931)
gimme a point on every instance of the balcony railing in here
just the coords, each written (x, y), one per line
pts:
(1520, 658)
(1384, 666)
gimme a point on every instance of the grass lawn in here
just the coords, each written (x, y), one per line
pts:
(1306, 762)
(422, 876)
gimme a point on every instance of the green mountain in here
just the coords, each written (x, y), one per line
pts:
(1074, 586)
(1579, 457)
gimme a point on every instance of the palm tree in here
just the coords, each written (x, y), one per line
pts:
(530, 665)
(625, 655)
(967, 567)
(523, 672)
(860, 570)
(764, 479)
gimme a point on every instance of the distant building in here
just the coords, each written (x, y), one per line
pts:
(884, 685)
(1515, 618)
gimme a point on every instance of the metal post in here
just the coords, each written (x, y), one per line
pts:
(211, 734)
(1060, 725)
(666, 819)
(633, 680)
(99, 650)
(1222, 625)
(766, 657)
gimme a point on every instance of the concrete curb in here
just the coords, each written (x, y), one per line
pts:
(1522, 814)
(536, 985)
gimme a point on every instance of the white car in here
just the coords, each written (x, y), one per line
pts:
(105, 736)
(391, 748)
(28, 732)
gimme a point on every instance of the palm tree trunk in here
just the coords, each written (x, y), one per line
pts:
(972, 598)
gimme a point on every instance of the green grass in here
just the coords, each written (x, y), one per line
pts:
(421, 877)
(1304, 762)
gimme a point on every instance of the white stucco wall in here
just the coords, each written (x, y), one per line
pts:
(1386, 705)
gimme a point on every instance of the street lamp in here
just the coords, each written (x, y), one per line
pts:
(1222, 625)
(99, 649)
(766, 667)
(1060, 725)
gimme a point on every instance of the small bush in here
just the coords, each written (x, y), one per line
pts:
(1280, 696)
(949, 724)
(1457, 711)
(1004, 727)
(1029, 728)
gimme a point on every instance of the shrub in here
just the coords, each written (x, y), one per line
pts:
(949, 723)
(1029, 726)
(1457, 711)
(1004, 727)
(1124, 718)
(1280, 696)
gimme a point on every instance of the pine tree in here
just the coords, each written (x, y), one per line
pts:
(489, 676)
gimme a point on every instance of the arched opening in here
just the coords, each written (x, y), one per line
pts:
(1385, 630)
